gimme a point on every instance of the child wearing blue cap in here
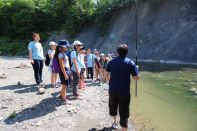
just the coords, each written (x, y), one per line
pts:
(64, 67)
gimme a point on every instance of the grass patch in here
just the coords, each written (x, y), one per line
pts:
(12, 115)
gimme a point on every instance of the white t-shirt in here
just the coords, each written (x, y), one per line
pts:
(81, 60)
(51, 52)
(65, 58)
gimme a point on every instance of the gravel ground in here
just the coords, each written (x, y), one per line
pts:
(23, 109)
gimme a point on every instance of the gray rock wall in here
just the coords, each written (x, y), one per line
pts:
(167, 31)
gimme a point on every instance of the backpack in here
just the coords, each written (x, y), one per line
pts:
(47, 61)
(69, 58)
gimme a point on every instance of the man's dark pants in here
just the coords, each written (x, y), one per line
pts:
(38, 66)
(121, 102)
(90, 71)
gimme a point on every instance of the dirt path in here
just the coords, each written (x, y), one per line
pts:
(30, 111)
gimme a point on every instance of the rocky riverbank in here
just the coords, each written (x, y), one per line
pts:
(22, 108)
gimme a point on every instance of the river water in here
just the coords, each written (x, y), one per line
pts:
(167, 98)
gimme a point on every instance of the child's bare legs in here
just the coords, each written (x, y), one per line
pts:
(96, 73)
(63, 92)
(102, 75)
(53, 79)
(106, 78)
(80, 84)
(83, 80)
(115, 119)
(124, 129)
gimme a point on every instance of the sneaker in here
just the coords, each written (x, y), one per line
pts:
(57, 86)
(115, 125)
(41, 84)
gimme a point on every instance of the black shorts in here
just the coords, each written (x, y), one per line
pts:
(122, 103)
(82, 72)
(62, 79)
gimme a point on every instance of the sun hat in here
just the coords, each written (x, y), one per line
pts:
(102, 54)
(76, 42)
(63, 43)
(52, 43)
(95, 50)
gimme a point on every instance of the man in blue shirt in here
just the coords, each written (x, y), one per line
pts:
(90, 63)
(36, 57)
(120, 69)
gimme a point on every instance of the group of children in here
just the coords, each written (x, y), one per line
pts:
(72, 63)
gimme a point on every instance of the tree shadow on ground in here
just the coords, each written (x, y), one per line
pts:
(104, 129)
(23, 88)
(45, 106)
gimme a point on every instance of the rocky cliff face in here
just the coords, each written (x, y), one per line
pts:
(166, 30)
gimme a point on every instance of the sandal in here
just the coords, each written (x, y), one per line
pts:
(78, 98)
(67, 102)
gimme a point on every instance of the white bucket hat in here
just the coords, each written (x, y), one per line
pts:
(52, 43)
(77, 43)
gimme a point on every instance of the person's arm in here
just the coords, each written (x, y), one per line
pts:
(50, 54)
(61, 61)
(76, 67)
(30, 54)
(93, 61)
(108, 75)
(108, 70)
(135, 71)
(74, 60)
(136, 78)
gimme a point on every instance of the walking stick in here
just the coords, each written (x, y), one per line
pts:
(136, 41)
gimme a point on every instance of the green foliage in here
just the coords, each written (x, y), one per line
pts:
(19, 18)
(9, 47)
